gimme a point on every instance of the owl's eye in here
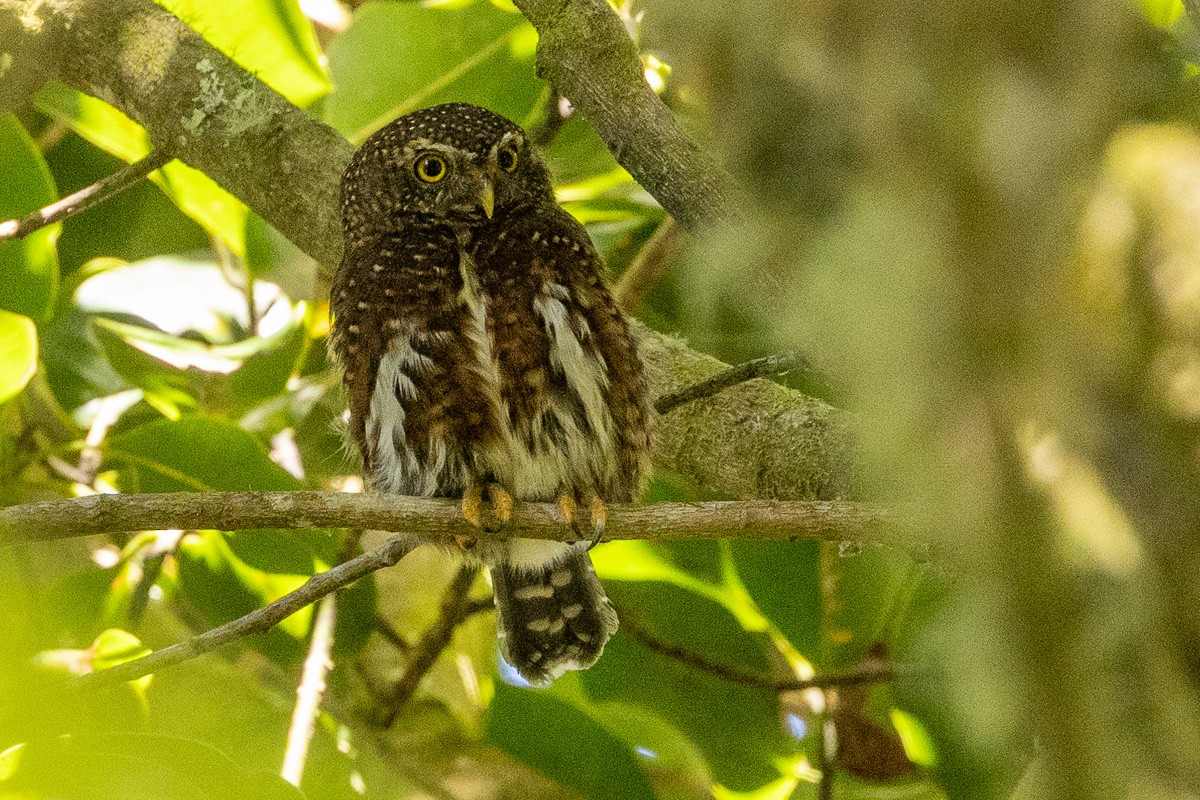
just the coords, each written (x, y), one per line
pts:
(507, 158)
(431, 168)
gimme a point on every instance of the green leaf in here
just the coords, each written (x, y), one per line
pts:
(831, 606)
(28, 266)
(272, 39)
(564, 743)
(397, 57)
(118, 766)
(196, 454)
(18, 353)
(735, 727)
(196, 194)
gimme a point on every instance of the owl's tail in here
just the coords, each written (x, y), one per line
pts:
(551, 618)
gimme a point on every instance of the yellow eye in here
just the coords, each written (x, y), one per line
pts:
(507, 158)
(431, 168)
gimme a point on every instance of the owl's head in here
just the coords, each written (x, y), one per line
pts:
(456, 163)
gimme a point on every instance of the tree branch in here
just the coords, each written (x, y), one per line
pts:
(85, 198)
(586, 53)
(874, 672)
(758, 368)
(313, 682)
(456, 606)
(431, 519)
(259, 620)
(755, 440)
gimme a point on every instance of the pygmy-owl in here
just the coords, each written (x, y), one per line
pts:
(486, 358)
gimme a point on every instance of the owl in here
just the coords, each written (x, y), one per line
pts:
(485, 359)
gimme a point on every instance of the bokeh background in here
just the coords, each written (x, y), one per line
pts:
(979, 222)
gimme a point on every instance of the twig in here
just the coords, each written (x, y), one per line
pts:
(259, 620)
(875, 672)
(439, 520)
(455, 608)
(85, 198)
(826, 756)
(310, 691)
(394, 637)
(758, 368)
(649, 266)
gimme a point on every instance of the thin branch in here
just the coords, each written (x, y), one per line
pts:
(432, 519)
(260, 620)
(310, 691)
(758, 368)
(455, 607)
(85, 198)
(649, 266)
(868, 673)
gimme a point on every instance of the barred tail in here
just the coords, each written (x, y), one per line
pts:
(553, 617)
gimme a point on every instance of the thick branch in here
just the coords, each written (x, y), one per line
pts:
(754, 440)
(434, 519)
(199, 106)
(586, 53)
(260, 620)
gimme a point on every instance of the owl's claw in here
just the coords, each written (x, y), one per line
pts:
(599, 515)
(501, 503)
(568, 512)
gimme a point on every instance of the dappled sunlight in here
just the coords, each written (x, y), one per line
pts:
(1096, 533)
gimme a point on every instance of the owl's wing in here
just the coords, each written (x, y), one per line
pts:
(413, 361)
(575, 348)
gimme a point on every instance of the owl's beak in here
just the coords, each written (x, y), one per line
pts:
(487, 197)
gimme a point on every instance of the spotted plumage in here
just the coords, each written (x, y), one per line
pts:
(484, 354)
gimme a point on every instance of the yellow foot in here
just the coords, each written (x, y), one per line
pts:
(502, 503)
(501, 508)
(566, 505)
(599, 515)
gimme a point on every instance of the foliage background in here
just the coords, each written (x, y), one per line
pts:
(980, 224)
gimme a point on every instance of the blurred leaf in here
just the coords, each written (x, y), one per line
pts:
(121, 766)
(196, 194)
(168, 389)
(831, 607)
(271, 39)
(398, 57)
(18, 353)
(704, 706)
(114, 647)
(222, 587)
(28, 266)
(1162, 13)
(564, 743)
(196, 454)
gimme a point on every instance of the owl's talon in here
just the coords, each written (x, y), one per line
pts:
(599, 517)
(472, 505)
(566, 506)
(502, 503)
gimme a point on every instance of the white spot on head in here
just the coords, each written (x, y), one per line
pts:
(571, 611)
(539, 625)
(560, 577)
